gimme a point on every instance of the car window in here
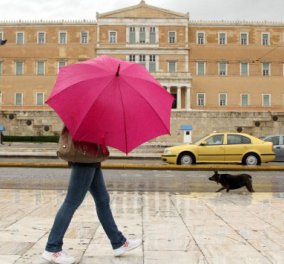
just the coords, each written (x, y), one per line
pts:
(275, 140)
(238, 139)
(215, 140)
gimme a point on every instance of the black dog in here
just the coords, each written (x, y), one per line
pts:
(231, 182)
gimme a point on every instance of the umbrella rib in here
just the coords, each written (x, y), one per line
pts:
(124, 121)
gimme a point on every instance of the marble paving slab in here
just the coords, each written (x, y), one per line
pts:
(195, 228)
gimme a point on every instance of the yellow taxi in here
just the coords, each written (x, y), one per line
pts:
(221, 148)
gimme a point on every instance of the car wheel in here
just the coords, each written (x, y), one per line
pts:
(251, 159)
(186, 159)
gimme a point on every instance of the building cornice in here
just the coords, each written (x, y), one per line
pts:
(48, 22)
(203, 23)
(235, 23)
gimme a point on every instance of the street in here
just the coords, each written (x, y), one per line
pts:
(136, 180)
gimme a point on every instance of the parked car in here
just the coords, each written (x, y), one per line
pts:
(222, 148)
(278, 145)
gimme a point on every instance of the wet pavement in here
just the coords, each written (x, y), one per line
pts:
(175, 228)
(193, 227)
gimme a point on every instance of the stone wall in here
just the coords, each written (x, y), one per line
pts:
(30, 123)
(35, 123)
(205, 122)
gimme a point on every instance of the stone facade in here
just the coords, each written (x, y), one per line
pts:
(221, 66)
(37, 123)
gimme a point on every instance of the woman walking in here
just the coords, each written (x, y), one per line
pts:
(85, 177)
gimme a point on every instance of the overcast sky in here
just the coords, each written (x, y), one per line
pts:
(249, 10)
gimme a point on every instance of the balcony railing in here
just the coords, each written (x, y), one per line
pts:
(172, 75)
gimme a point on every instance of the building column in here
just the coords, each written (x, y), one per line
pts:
(178, 97)
(137, 34)
(98, 36)
(157, 34)
(168, 89)
(186, 63)
(188, 98)
(127, 34)
(147, 34)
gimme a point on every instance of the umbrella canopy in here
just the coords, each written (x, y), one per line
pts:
(112, 102)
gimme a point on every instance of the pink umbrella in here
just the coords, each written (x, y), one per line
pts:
(112, 102)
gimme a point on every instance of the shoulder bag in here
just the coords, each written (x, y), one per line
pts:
(80, 152)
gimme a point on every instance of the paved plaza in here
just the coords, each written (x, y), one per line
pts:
(176, 228)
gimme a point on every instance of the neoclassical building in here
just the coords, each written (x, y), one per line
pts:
(206, 65)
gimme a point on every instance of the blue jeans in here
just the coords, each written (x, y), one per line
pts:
(84, 178)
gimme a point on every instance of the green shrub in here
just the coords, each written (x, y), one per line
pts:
(37, 139)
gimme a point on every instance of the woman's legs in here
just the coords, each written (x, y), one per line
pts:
(101, 197)
(80, 181)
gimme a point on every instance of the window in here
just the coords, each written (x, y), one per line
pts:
(222, 99)
(142, 35)
(172, 37)
(39, 98)
(84, 38)
(19, 67)
(112, 37)
(237, 139)
(244, 99)
(132, 35)
(172, 66)
(132, 58)
(274, 139)
(244, 38)
(174, 105)
(62, 38)
(152, 63)
(18, 98)
(265, 39)
(215, 140)
(142, 60)
(61, 63)
(152, 35)
(244, 68)
(222, 68)
(200, 38)
(200, 68)
(40, 67)
(1, 35)
(41, 38)
(266, 69)
(266, 100)
(222, 38)
(20, 38)
(201, 99)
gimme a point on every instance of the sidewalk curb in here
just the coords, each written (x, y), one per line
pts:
(200, 167)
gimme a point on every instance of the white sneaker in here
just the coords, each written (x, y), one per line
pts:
(127, 246)
(58, 257)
